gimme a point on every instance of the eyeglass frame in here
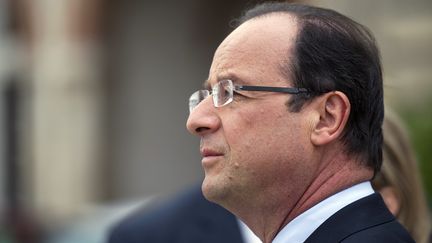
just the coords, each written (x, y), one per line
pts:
(213, 92)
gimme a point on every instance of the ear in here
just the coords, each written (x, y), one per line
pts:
(333, 109)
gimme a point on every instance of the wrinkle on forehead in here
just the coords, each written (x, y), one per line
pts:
(269, 37)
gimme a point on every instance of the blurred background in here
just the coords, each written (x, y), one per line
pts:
(93, 102)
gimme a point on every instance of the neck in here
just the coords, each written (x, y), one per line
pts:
(268, 218)
(328, 183)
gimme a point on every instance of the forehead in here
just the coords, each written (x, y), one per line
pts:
(256, 49)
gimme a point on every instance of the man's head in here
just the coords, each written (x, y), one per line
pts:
(333, 52)
(254, 147)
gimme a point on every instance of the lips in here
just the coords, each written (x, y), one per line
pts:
(210, 153)
(210, 157)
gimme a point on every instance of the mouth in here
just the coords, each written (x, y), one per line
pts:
(210, 157)
(210, 153)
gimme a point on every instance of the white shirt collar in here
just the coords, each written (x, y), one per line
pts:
(301, 227)
(247, 234)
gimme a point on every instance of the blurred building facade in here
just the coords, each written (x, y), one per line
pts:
(103, 89)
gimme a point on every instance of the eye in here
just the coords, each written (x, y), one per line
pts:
(226, 92)
(238, 95)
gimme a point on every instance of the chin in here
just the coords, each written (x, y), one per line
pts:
(207, 189)
(213, 190)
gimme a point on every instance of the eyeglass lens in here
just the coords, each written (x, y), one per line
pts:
(196, 98)
(222, 94)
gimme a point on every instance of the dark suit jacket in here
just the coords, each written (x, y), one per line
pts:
(192, 219)
(364, 221)
(188, 218)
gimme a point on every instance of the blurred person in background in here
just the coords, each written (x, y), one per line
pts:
(186, 218)
(399, 181)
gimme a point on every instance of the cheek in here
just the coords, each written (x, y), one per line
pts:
(244, 130)
(266, 147)
(261, 134)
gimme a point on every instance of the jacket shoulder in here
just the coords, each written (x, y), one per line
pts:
(365, 220)
(388, 232)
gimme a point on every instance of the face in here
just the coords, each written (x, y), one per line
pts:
(254, 147)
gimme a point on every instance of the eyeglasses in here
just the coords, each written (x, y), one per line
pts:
(223, 93)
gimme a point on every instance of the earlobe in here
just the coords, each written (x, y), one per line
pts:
(333, 109)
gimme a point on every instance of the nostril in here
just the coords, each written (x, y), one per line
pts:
(201, 129)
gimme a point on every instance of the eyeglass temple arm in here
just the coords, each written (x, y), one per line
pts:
(273, 89)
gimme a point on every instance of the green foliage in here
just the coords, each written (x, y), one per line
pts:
(419, 123)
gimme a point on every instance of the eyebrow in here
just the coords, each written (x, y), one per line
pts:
(224, 76)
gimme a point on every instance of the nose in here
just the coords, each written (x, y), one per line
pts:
(203, 119)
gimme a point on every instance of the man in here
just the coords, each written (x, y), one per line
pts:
(291, 133)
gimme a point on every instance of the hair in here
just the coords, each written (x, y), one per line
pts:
(400, 172)
(333, 52)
